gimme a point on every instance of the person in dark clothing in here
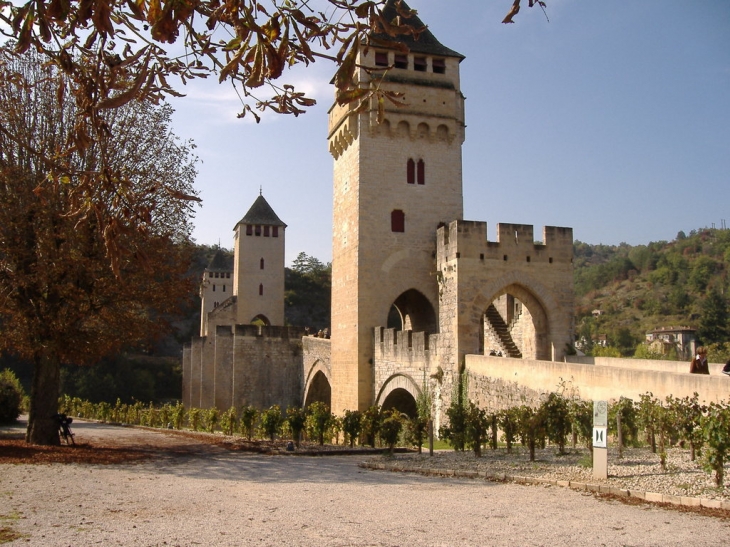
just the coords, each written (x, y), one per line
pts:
(699, 363)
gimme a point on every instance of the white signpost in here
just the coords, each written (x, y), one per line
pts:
(600, 434)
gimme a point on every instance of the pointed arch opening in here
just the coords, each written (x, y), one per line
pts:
(401, 400)
(515, 324)
(261, 320)
(319, 390)
(412, 311)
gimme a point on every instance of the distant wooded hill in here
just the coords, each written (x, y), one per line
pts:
(665, 283)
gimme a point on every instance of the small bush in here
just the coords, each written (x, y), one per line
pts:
(11, 397)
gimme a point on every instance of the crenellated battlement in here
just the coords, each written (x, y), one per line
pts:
(260, 331)
(404, 345)
(466, 239)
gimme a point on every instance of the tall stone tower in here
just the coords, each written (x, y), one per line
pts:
(258, 269)
(216, 287)
(395, 182)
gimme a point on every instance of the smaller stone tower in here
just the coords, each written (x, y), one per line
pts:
(215, 287)
(258, 270)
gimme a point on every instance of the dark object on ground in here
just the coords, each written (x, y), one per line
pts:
(64, 429)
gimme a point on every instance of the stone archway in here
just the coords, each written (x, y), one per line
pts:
(261, 320)
(413, 311)
(515, 324)
(399, 392)
(318, 386)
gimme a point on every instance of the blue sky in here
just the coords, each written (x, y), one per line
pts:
(612, 118)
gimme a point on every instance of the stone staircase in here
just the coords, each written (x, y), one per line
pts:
(500, 329)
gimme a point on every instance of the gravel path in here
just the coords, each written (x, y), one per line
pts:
(211, 496)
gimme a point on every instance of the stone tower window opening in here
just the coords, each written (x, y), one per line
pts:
(401, 61)
(439, 66)
(266, 231)
(397, 221)
(274, 231)
(213, 287)
(257, 230)
(381, 58)
(411, 171)
(419, 64)
(421, 172)
(249, 230)
(261, 289)
(224, 288)
(261, 264)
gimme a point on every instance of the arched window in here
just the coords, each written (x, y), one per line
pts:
(397, 221)
(411, 171)
(421, 175)
(261, 264)
(261, 289)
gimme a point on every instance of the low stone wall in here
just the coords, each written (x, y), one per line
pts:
(641, 364)
(498, 380)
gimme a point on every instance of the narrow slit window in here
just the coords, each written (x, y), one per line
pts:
(411, 172)
(421, 172)
(397, 221)
(261, 264)
(224, 288)
(261, 289)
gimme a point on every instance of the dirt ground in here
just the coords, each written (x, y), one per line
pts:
(134, 486)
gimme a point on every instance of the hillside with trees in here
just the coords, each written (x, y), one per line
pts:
(639, 288)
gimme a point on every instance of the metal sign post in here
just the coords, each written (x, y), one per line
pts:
(600, 444)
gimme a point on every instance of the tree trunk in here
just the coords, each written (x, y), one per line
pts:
(42, 427)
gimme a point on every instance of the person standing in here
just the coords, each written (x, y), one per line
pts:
(699, 363)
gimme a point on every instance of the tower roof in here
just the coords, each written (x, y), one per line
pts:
(261, 213)
(221, 262)
(426, 42)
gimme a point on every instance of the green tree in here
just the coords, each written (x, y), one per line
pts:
(713, 325)
(371, 424)
(581, 421)
(271, 421)
(531, 427)
(11, 397)
(352, 426)
(476, 428)
(557, 419)
(455, 431)
(716, 429)
(687, 413)
(296, 417)
(508, 420)
(391, 427)
(249, 417)
(67, 297)
(319, 417)
(702, 270)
